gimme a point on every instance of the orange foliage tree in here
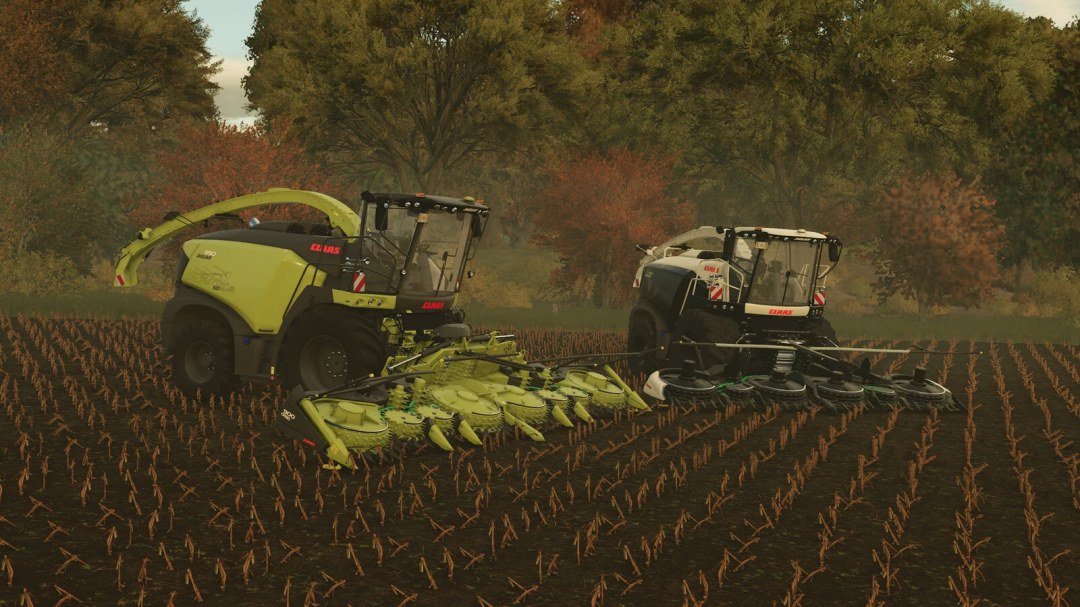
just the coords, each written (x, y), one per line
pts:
(938, 242)
(216, 161)
(32, 66)
(596, 208)
(585, 18)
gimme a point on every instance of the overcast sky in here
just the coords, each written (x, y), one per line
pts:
(230, 23)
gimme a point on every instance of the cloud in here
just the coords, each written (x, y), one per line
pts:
(1061, 11)
(230, 99)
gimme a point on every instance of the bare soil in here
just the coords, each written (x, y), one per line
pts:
(116, 490)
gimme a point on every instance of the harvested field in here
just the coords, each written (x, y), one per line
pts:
(116, 490)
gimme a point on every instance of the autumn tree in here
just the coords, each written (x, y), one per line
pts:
(585, 19)
(104, 67)
(216, 161)
(938, 241)
(411, 87)
(596, 208)
(33, 67)
(818, 105)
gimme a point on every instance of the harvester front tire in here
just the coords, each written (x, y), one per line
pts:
(826, 332)
(202, 359)
(705, 327)
(325, 349)
(642, 337)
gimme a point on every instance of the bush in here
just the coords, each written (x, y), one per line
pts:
(1052, 294)
(487, 289)
(1003, 306)
(898, 305)
(155, 281)
(43, 274)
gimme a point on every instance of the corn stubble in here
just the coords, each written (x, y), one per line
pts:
(680, 505)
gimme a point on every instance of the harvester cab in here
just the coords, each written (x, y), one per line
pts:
(305, 303)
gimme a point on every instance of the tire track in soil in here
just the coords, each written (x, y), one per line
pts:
(850, 568)
(562, 528)
(703, 550)
(568, 522)
(930, 528)
(926, 567)
(1050, 479)
(772, 571)
(776, 567)
(1006, 578)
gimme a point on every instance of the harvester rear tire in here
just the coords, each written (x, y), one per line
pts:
(326, 348)
(706, 327)
(202, 359)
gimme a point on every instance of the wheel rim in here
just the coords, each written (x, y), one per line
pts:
(199, 362)
(323, 363)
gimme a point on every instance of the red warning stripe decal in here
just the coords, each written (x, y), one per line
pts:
(359, 282)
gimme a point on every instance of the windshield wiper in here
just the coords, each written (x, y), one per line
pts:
(442, 272)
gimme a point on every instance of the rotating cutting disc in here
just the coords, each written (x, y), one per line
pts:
(684, 387)
(778, 388)
(739, 393)
(836, 393)
(922, 394)
(881, 397)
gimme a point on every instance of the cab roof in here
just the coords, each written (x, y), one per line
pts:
(782, 232)
(425, 202)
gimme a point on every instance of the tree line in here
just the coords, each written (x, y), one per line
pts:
(949, 126)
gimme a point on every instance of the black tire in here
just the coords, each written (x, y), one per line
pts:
(703, 326)
(642, 337)
(325, 348)
(202, 359)
(826, 332)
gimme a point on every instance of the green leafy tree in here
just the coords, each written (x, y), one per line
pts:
(44, 205)
(415, 88)
(808, 107)
(1036, 179)
(938, 241)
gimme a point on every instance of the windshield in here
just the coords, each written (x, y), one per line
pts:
(440, 254)
(744, 254)
(386, 250)
(784, 274)
(436, 264)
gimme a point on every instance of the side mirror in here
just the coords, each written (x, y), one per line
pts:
(729, 244)
(470, 273)
(834, 251)
(382, 215)
(477, 226)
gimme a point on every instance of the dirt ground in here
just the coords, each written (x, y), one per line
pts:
(114, 490)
